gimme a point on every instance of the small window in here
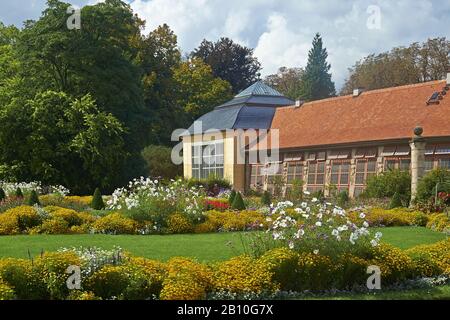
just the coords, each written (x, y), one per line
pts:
(293, 157)
(321, 155)
(443, 149)
(311, 156)
(388, 151)
(402, 151)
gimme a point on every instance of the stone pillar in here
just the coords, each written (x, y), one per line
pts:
(417, 145)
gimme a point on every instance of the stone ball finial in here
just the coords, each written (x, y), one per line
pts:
(418, 131)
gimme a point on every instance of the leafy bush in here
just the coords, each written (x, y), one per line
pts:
(213, 185)
(6, 292)
(434, 182)
(386, 184)
(97, 200)
(2, 195)
(19, 193)
(238, 202)
(266, 199)
(231, 198)
(396, 201)
(178, 223)
(283, 263)
(55, 225)
(108, 282)
(19, 219)
(439, 222)
(159, 162)
(437, 253)
(243, 274)
(343, 199)
(378, 217)
(115, 223)
(33, 198)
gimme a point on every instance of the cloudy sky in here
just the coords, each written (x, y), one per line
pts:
(281, 31)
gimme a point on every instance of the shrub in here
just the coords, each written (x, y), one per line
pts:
(238, 202)
(396, 201)
(108, 282)
(386, 184)
(439, 222)
(159, 163)
(438, 178)
(213, 185)
(295, 192)
(342, 199)
(72, 217)
(231, 198)
(437, 255)
(2, 195)
(315, 272)
(82, 295)
(186, 280)
(115, 223)
(149, 280)
(33, 199)
(243, 274)
(351, 271)
(265, 198)
(19, 219)
(20, 275)
(51, 267)
(283, 264)
(97, 200)
(177, 223)
(6, 292)
(54, 226)
(233, 221)
(378, 217)
(18, 193)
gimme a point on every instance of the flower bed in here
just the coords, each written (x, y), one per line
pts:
(116, 275)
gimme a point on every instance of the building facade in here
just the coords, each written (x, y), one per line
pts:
(332, 145)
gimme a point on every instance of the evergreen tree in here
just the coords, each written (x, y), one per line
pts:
(231, 198)
(33, 199)
(19, 193)
(316, 80)
(2, 195)
(265, 199)
(396, 201)
(97, 201)
(238, 202)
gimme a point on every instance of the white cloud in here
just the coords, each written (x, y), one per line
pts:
(281, 31)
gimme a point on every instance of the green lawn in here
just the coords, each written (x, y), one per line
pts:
(204, 247)
(439, 292)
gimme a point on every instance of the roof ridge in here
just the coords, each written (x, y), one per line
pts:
(381, 90)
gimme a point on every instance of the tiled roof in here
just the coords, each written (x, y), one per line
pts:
(383, 114)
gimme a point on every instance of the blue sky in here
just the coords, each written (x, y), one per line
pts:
(281, 31)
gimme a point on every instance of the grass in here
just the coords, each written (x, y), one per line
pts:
(439, 292)
(204, 247)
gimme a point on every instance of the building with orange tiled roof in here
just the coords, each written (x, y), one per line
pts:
(332, 144)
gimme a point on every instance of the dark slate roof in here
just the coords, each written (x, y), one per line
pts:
(252, 108)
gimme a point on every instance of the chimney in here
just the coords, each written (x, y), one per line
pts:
(299, 103)
(357, 92)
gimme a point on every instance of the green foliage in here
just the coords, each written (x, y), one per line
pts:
(231, 198)
(295, 192)
(266, 198)
(417, 62)
(316, 80)
(159, 163)
(33, 198)
(435, 181)
(287, 81)
(230, 62)
(19, 193)
(343, 199)
(199, 91)
(238, 202)
(2, 194)
(396, 201)
(386, 184)
(212, 184)
(97, 201)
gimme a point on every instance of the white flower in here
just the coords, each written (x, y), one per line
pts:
(291, 245)
(314, 200)
(318, 223)
(362, 215)
(316, 251)
(299, 233)
(378, 235)
(304, 205)
(335, 232)
(374, 243)
(365, 224)
(307, 193)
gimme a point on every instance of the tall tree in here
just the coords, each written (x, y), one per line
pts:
(316, 80)
(401, 65)
(287, 81)
(198, 90)
(158, 56)
(230, 61)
